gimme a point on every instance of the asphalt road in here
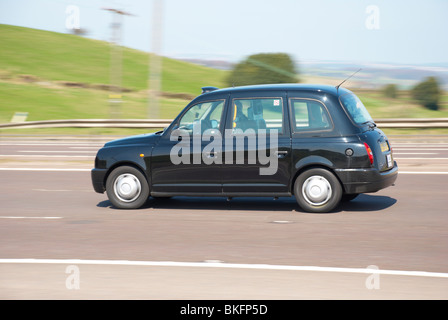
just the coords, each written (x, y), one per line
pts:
(61, 240)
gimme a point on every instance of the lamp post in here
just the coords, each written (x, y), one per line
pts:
(115, 91)
(155, 61)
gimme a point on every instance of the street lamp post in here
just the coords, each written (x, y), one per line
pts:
(155, 61)
(115, 89)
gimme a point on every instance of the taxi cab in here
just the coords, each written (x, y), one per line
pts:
(314, 142)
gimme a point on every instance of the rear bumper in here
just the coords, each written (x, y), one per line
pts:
(366, 180)
(98, 176)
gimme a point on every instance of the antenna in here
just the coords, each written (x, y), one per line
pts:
(337, 87)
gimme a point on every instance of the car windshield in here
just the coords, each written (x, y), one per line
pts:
(355, 108)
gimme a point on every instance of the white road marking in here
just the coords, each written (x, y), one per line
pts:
(419, 144)
(226, 266)
(282, 221)
(45, 169)
(416, 153)
(50, 144)
(43, 218)
(88, 170)
(422, 172)
(394, 146)
(96, 148)
(421, 158)
(421, 148)
(60, 190)
(56, 151)
(44, 156)
(92, 156)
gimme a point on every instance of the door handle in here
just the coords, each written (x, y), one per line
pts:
(211, 154)
(281, 153)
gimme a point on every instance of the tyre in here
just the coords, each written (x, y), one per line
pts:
(127, 188)
(317, 190)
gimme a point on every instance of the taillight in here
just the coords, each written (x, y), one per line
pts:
(369, 152)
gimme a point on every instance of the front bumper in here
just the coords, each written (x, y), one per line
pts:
(366, 180)
(98, 179)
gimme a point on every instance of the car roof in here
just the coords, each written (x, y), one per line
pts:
(284, 87)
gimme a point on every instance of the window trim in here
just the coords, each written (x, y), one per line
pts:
(307, 131)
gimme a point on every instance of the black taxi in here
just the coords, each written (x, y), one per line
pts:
(315, 142)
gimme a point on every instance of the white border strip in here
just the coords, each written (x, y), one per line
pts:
(225, 266)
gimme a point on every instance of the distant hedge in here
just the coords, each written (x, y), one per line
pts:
(427, 93)
(263, 68)
(390, 91)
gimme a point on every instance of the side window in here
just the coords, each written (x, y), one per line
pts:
(257, 114)
(207, 115)
(310, 116)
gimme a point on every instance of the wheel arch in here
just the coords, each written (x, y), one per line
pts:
(314, 165)
(125, 163)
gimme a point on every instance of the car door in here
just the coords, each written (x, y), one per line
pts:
(186, 159)
(257, 145)
(315, 138)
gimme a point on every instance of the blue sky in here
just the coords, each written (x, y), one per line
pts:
(408, 32)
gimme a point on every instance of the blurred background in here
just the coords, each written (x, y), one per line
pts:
(135, 59)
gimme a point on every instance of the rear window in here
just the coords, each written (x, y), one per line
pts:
(355, 108)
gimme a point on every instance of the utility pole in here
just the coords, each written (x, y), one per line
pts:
(155, 61)
(115, 94)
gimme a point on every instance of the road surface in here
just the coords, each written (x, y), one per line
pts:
(61, 240)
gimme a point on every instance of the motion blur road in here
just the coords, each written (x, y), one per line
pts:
(61, 240)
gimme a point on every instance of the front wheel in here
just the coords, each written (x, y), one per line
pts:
(317, 190)
(127, 188)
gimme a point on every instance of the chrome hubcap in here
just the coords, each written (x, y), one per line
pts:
(316, 190)
(127, 187)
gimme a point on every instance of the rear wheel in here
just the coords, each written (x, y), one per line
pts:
(317, 190)
(127, 188)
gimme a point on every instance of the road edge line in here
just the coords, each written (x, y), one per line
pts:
(226, 266)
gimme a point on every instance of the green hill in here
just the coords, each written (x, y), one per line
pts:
(58, 76)
(62, 76)
(65, 57)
